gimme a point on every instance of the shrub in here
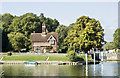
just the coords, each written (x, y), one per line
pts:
(118, 51)
(9, 53)
(47, 51)
(72, 56)
(79, 59)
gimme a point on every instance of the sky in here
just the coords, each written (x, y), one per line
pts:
(67, 12)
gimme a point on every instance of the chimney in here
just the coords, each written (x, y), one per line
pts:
(44, 30)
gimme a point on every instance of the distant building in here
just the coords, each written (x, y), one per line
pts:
(40, 41)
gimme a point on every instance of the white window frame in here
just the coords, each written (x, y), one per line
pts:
(52, 42)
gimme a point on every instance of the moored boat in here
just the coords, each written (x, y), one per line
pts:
(31, 62)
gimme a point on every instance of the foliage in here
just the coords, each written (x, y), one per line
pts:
(25, 24)
(51, 24)
(84, 35)
(5, 24)
(62, 34)
(108, 46)
(72, 56)
(118, 50)
(49, 48)
(18, 40)
(116, 40)
(9, 53)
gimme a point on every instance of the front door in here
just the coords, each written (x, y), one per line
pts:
(44, 50)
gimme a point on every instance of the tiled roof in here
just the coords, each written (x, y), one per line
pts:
(36, 37)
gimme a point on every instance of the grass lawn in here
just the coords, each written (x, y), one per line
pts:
(34, 58)
(38, 58)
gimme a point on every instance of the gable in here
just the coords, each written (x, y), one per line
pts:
(51, 38)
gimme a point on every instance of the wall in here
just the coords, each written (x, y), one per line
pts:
(113, 56)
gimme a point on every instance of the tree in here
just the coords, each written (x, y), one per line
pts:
(42, 18)
(6, 20)
(51, 24)
(87, 33)
(18, 40)
(25, 24)
(116, 40)
(108, 46)
(62, 34)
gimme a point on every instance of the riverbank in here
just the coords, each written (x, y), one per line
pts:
(52, 62)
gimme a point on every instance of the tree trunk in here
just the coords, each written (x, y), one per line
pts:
(19, 51)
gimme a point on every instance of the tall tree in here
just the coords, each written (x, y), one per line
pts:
(42, 18)
(116, 40)
(108, 46)
(51, 24)
(62, 34)
(87, 33)
(5, 24)
(25, 24)
(18, 40)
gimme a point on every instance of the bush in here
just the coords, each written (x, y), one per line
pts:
(118, 51)
(79, 59)
(9, 53)
(72, 56)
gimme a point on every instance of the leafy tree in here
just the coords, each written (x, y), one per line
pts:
(72, 56)
(108, 46)
(62, 34)
(85, 34)
(116, 40)
(18, 40)
(6, 20)
(42, 18)
(51, 24)
(25, 24)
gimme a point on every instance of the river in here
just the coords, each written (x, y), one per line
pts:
(105, 69)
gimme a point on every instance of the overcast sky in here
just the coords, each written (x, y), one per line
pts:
(67, 12)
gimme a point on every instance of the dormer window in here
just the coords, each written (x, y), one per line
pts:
(52, 41)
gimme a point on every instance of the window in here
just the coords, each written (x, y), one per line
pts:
(51, 41)
(37, 49)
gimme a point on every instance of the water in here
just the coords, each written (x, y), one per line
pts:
(107, 69)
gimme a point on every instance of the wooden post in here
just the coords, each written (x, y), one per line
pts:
(101, 56)
(101, 67)
(94, 61)
(86, 64)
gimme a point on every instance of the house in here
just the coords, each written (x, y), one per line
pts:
(41, 41)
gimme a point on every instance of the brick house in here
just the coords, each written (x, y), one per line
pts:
(41, 41)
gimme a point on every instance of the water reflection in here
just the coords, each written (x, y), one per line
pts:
(109, 69)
